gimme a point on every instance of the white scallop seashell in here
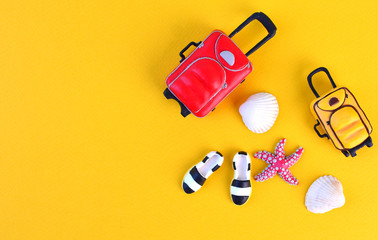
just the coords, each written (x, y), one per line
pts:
(259, 112)
(325, 194)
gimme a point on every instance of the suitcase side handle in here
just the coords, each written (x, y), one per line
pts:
(266, 22)
(316, 130)
(186, 48)
(309, 79)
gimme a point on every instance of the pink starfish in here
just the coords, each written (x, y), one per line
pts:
(278, 163)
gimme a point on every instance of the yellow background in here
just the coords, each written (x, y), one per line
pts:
(91, 149)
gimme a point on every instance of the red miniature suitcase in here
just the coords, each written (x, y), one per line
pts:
(215, 68)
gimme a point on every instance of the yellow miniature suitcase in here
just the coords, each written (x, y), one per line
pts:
(341, 117)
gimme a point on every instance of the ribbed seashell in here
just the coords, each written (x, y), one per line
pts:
(325, 194)
(259, 112)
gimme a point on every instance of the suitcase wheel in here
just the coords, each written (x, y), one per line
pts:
(184, 111)
(345, 153)
(369, 142)
(352, 153)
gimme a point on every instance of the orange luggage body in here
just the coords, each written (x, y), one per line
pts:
(341, 117)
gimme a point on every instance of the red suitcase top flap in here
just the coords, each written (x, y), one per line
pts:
(229, 55)
(200, 82)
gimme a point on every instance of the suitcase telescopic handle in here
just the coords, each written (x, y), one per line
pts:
(266, 22)
(309, 79)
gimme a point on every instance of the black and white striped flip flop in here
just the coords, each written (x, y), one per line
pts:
(197, 175)
(241, 187)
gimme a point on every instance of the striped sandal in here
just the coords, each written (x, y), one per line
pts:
(241, 187)
(197, 175)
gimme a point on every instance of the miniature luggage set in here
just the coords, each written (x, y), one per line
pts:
(214, 69)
